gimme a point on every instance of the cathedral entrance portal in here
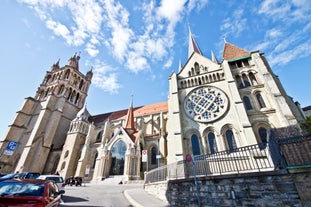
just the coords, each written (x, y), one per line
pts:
(117, 158)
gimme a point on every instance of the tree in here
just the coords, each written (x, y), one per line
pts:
(306, 125)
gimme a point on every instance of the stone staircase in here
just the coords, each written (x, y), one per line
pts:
(118, 179)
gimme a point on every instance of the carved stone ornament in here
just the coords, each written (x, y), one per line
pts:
(206, 104)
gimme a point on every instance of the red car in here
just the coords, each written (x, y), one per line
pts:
(29, 192)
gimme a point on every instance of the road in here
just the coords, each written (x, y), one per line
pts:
(101, 195)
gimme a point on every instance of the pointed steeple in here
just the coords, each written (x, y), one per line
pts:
(83, 114)
(232, 52)
(193, 46)
(214, 59)
(179, 66)
(129, 122)
(74, 61)
(55, 66)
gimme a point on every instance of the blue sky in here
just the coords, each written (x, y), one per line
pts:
(133, 46)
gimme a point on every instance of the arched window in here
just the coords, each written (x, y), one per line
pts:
(99, 137)
(196, 68)
(77, 98)
(230, 140)
(247, 103)
(260, 101)
(67, 74)
(118, 158)
(63, 166)
(263, 134)
(253, 79)
(66, 154)
(81, 84)
(61, 89)
(245, 81)
(212, 143)
(153, 156)
(94, 161)
(195, 145)
(238, 81)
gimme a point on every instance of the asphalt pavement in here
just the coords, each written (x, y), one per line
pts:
(138, 197)
(110, 194)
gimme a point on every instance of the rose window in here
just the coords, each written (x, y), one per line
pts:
(206, 104)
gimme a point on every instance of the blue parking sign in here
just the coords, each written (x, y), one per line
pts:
(10, 148)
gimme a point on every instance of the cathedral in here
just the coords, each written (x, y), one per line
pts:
(212, 106)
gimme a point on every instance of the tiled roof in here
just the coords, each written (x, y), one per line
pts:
(138, 111)
(232, 52)
(307, 108)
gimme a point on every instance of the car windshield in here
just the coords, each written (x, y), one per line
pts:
(8, 176)
(21, 189)
(56, 179)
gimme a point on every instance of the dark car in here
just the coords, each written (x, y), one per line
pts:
(2, 174)
(27, 175)
(8, 177)
(29, 192)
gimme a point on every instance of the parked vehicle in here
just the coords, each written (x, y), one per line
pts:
(59, 180)
(27, 175)
(2, 174)
(29, 192)
(8, 177)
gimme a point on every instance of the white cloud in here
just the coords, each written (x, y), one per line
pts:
(235, 24)
(105, 78)
(192, 4)
(91, 50)
(137, 62)
(285, 10)
(171, 10)
(117, 20)
(59, 30)
(104, 27)
(297, 52)
(273, 33)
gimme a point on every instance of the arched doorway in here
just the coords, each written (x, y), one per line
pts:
(117, 158)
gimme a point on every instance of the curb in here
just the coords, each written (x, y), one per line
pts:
(131, 200)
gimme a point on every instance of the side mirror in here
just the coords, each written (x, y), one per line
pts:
(61, 192)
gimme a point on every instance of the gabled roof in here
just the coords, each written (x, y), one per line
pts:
(137, 111)
(232, 52)
(193, 46)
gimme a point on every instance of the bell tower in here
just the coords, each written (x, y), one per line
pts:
(40, 127)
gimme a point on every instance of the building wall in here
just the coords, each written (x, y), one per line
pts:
(40, 127)
(248, 190)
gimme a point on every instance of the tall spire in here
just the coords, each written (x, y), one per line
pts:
(179, 66)
(129, 122)
(193, 46)
(214, 59)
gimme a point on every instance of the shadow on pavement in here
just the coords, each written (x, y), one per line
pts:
(72, 199)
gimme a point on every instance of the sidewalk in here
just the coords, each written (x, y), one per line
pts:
(138, 197)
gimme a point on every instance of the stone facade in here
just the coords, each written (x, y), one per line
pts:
(212, 106)
(40, 126)
(264, 189)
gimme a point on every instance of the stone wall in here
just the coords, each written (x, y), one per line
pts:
(254, 189)
(300, 147)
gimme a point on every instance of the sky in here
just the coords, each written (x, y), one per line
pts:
(134, 46)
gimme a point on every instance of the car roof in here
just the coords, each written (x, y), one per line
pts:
(27, 181)
(41, 176)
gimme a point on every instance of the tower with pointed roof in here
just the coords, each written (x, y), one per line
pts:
(40, 126)
(212, 106)
(216, 106)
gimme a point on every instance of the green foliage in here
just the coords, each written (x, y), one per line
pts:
(306, 125)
